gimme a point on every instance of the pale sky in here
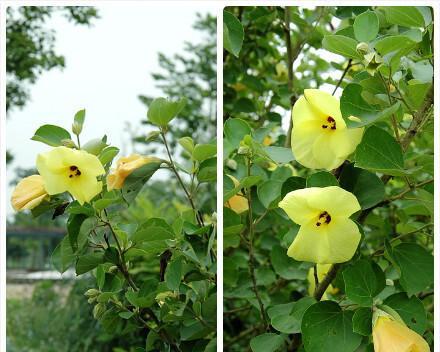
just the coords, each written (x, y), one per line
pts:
(107, 66)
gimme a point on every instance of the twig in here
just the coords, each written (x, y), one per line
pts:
(289, 67)
(342, 77)
(251, 250)
(322, 287)
(315, 275)
(188, 195)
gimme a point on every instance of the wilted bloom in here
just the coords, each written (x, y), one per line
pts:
(237, 202)
(322, 270)
(124, 167)
(75, 171)
(28, 193)
(392, 335)
(320, 137)
(326, 235)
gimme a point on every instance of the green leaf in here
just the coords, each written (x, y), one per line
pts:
(285, 266)
(321, 179)
(289, 321)
(161, 111)
(325, 327)
(107, 155)
(393, 43)
(411, 310)
(269, 193)
(380, 152)
(95, 146)
(352, 104)
(73, 226)
(416, 267)
(111, 255)
(51, 135)
(187, 143)
(341, 45)
(63, 256)
(235, 129)
(363, 280)
(362, 321)
(204, 151)
(173, 274)
(208, 170)
(137, 179)
(366, 26)
(88, 262)
(407, 16)
(366, 186)
(292, 184)
(267, 342)
(279, 154)
(233, 33)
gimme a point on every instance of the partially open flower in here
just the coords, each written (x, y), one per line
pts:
(124, 167)
(392, 335)
(322, 270)
(237, 202)
(327, 235)
(75, 171)
(28, 193)
(320, 137)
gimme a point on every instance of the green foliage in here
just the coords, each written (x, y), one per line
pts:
(383, 75)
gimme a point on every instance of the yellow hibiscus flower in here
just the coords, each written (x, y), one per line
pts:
(326, 235)
(124, 167)
(28, 193)
(322, 270)
(237, 202)
(69, 170)
(320, 137)
(390, 335)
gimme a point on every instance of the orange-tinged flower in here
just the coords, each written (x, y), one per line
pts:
(238, 202)
(28, 193)
(70, 170)
(124, 167)
(389, 335)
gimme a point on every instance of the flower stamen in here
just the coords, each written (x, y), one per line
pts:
(75, 171)
(324, 218)
(331, 123)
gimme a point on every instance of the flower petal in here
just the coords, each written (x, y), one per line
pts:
(325, 104)
(344, 236)
(344, 142)
(303, 111)
(297, 206)
(333, 199)
(323, 155)
(84, 189)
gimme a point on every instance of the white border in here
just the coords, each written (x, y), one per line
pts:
(217, 5)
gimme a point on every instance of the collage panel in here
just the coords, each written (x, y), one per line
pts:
(328, 178)
(111, 178)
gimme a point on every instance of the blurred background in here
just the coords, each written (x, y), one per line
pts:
(112, 61)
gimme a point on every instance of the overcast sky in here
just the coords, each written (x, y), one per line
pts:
(107, 66)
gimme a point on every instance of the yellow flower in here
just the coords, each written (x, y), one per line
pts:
(75, 171)
(124, 167)
(28, 193)
(389, 335)
(238, 202)
(267, 141)
(322, 270)
(326, 235)
(320, 137)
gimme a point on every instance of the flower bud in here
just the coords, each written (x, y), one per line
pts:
(124, 167)
(362, 48)
(99, 310)
(68, 143)
(77, 128)
(93, 292)
(232, 164)
(238, 203)
(28, 193)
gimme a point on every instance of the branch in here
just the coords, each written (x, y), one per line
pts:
(188, 195)
(322, 287)
(290, 61)
(251, 251)
(343, 75)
